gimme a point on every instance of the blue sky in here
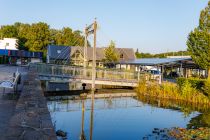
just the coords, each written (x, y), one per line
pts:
(151, 25)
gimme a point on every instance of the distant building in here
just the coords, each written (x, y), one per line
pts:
(9, 44)
(19, 57)
(75, 55)
(58, 54)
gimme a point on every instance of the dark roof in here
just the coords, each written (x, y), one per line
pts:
(154, 61)
(62, 52)
(59, 52)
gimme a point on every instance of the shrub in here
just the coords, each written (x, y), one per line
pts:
(195, 82)
(207, 87)
(142, 87)
(187, 90)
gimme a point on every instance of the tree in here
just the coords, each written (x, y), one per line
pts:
(111, 56)
(8, 31)
(23, 35)
(199, 41)
(67, 37)
(38, 37)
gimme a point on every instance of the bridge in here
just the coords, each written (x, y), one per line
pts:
(64, 73)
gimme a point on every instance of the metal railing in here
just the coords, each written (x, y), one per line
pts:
(81, 73)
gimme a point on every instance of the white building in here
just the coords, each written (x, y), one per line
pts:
(9, 44)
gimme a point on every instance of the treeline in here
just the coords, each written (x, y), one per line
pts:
(37, 36)
(160, 55)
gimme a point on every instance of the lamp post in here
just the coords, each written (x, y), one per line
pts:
(5, 52)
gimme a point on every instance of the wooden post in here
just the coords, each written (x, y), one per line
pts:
(93, 79)
(85, 52)
(160, 76)
(94, 57)
(139, 70)
(162, 72)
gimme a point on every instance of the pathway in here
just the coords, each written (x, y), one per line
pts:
(7, 102)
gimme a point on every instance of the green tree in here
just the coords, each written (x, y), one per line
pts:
(67, 37)
(8, 31)
(23, 35)
(111, 55)
(38, 37)
(199, 41)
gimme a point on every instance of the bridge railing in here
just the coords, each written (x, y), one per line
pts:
(80, 72)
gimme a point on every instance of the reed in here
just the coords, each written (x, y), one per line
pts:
(169, 90)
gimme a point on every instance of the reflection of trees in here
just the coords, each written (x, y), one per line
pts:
(202, 120)
(185, 107)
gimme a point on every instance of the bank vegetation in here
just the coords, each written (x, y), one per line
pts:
(188, 90)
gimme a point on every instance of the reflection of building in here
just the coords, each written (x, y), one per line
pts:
(75, 55)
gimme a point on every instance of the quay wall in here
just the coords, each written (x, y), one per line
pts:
(31, 119)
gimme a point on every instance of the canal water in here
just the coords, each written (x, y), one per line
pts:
(122, 118)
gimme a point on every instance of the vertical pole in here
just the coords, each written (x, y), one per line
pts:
(94, 57)
(85, 52)
(181, 71)
(160, 76)
(5, 54)
(138, 73)
(93, 80)
(162, 72)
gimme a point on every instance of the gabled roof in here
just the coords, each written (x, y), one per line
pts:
(100, 52)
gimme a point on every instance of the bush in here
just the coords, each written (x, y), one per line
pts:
(195, 82)
(142, 87)
(207, 87)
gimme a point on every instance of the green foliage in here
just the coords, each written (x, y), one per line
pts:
(195, 82)
(142, 87)
(111, 55)
(36, 36)
(207, 87)
(172, 91)
(66, 37)
(187, 90)
(199, 40)
(8, 31)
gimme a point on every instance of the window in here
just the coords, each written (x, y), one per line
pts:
(58, 51)
(121, 56)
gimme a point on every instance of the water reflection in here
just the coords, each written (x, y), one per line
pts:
(202, 120)
(121, 118)
(82, 136)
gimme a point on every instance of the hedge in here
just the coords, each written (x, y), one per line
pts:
(195, 82)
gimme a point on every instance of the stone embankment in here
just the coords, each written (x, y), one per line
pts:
(31, 120)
